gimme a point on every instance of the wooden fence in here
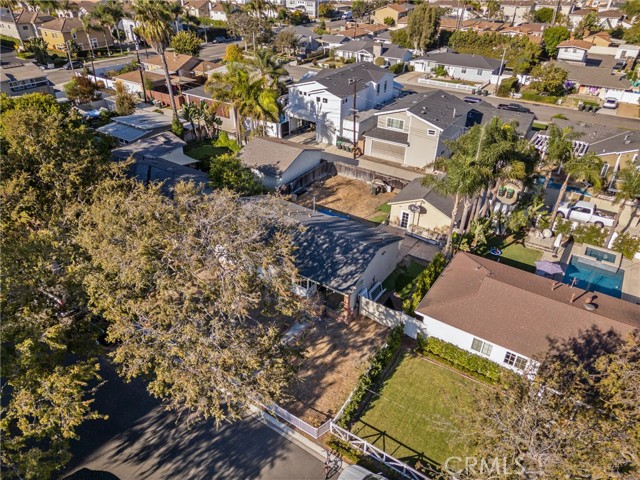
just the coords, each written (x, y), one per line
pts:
(165, 99)
(325, 169)
(359, 173)
(391, 318)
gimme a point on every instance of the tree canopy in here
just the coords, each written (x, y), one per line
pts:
(553, 36)
(423, 25)
(187, 43)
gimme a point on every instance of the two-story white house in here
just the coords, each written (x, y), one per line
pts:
(574, 50)
(461, 66)
(324, 101)
(308, 6)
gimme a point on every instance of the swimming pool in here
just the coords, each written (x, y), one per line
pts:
(593, 278)
(600, 255)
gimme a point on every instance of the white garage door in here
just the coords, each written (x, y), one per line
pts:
(387, 151)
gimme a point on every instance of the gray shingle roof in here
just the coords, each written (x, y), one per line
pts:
(388, 135)
(462, 60)
(416, 191)
(328, 38)
(149, 169)
(272, 156)
(488, 111)
(334, 251)
(338, 83)
(388, 51)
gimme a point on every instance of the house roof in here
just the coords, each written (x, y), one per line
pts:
(134, 77)
(602, 139)
(388, 135)
(437, 107)
(159, 170)
(415, 191)
(272, 156)
(518, 310)
(388, 51)
(582, 12)
(64, 25)
(594, 76)
(165, 145)
(175, 61)
(20, 71)
(334, 251)
(27, 16)
(488, 111)
(338, 82)
(328, 38)
(575, 44)
(398, 7)
(136, 126)
(614, 13)
(462, 60)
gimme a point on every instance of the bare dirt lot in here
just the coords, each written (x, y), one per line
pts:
(336, 355)
(346, 195)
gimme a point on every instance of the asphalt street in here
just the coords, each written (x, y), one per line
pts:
(141, 440)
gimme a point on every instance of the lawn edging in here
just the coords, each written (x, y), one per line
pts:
(469, 363)
(374, 375)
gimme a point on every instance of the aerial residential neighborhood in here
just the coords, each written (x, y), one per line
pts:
(312, 239)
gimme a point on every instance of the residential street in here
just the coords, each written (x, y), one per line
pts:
(140, 440)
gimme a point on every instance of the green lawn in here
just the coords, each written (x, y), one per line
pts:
(514, 253)
(201, 152)
(402, 277)
(419, 407)
(381, 214)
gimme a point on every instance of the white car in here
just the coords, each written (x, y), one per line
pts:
(610, 103)
(356, 472)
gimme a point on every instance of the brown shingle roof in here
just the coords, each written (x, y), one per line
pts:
(25, 16)
(175, 61)
(64, 25)
(516, 309)
(576, 43)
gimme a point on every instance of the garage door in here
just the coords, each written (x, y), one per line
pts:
(387, 151)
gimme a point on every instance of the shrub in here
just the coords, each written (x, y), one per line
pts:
(590, 233)
(627, 245)
(423, 283)
(562, 227)
(380, 61)
(396, 68)
(460, 359)
(440, 71)
(177, 128)
(507, 86)
(372, 376)
(535, 97)
(224, 141)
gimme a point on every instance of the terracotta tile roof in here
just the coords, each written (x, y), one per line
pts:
(576, 44)
(516, 309)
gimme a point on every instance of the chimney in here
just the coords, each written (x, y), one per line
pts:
(377, 50)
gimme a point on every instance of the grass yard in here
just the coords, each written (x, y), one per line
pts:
(206, 151)
(401, 279)
(514, 253)
(381, 214)
(417, 411)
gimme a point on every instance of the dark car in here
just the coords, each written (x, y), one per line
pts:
(514, 107)
(75, 64)
(220, 40)
(472, 99)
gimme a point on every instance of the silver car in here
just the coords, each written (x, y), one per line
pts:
(610, 102)
(356, 472)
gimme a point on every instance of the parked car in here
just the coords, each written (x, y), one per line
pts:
(75, 64)
(472, 99)
(219, 40)
(356, 472)
(610, 102)
(586, 212)
(514, 107)
(346, 16)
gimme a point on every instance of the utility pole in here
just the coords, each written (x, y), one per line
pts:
(68, 44)
(555, 13)
(144, 90)
(504, 52)
(354, 82)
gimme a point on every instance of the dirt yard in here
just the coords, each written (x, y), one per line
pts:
(346, 195)
(336, 355)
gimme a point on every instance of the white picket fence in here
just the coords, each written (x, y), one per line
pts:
(447, 85)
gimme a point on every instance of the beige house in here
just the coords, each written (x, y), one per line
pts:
(422, 211)
(24, 24)
(62, 30)
(394, 11)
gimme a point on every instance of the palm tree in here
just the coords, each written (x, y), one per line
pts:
(584, 168)
(266, 63)
(628, 190)
(209, 119)
(190, 112)
(260, 106)
(559, 149)
(116, 13)
(10, 5)
(88, 25)
(155, 19)
(175, 9)
(103, 13)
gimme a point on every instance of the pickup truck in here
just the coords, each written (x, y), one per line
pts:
(585, 212)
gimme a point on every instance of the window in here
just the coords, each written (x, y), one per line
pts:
(395, 123)
(515, 361)
(605, 169)
(404, 220)
(385, 85)
(431, 132)
(25, 27)
(479, 71)
(378, 89)
(94, 43)
(482, 347)
(345, 100)
(324, 100)
(74, 35)
(464, 70)
(318, 99)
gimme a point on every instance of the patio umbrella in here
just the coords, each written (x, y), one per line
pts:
(549, 268)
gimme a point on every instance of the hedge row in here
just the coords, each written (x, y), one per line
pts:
(535, 97)
(460, 359)
(379, 362)
(7, 41)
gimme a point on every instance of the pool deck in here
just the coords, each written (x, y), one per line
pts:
(630, 284)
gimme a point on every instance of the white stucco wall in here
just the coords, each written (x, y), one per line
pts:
(572, 54)
(384, 262)
(429, 217)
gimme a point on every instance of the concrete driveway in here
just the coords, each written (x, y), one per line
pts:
(141, 440)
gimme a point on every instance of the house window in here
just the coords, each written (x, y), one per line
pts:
(94, 43)
(482, 347)
(431, 132)
(345, 100)
(395, 123)
(385, 85)
(324, 100)
(575, 50)
(479, 71)
(515, 361)
(464, 70)
(74, 35)
(318, 99)
(404, 220)
(378, 89)
(25, 27)
(605, 169)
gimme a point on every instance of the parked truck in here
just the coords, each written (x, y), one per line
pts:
(586, 212)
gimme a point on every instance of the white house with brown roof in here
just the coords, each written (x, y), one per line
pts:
(508, 315)
(176, 62)
(573, 50)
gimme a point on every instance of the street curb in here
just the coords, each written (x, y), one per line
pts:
(311, 447)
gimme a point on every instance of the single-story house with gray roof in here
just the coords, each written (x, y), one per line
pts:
(131, 128)
(340, 257)
(164, 145)
(461, 66)
(422, 211)
(368, 51)
(277, 162)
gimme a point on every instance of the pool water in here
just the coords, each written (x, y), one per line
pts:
(593, 278)
(600, 255)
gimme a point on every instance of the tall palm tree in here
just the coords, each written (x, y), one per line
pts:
(191, 112)
(176, 10)
(628, 190)
(559, 149)
(11, 5)
(104, 15)
(580, 168)
(155, 27)
(87, 25)
(266, 63)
